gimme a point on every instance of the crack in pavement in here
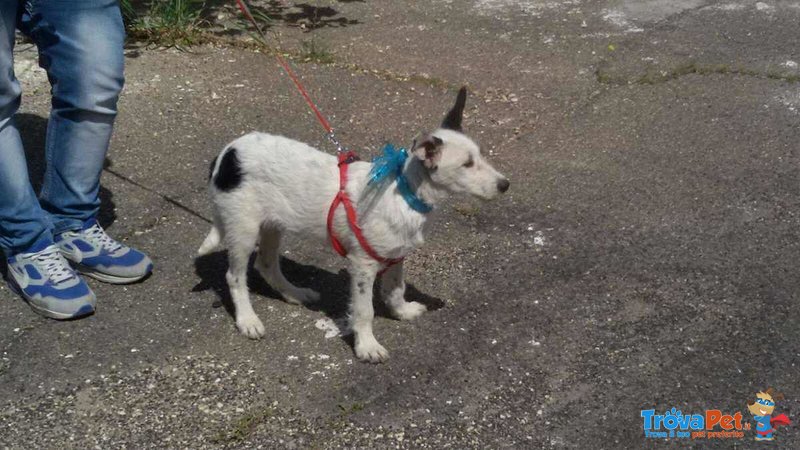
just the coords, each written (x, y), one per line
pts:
(692, 68)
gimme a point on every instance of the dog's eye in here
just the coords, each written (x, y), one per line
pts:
(470, 162)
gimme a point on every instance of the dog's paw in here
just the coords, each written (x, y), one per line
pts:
(410, 310)
(250, 326)
(302, 296)
(369, 350)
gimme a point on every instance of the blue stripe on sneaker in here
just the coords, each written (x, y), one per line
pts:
(49, 290)
(32, 272)
(129, 259)
(83, 246)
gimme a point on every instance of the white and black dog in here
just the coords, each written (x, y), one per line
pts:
(263, 186)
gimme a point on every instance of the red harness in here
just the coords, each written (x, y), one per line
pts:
(345, 158)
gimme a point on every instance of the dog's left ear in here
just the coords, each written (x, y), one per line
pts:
(428, 148)
(453, 119)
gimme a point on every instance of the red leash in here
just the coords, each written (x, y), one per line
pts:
(344, 157)
(324, 122)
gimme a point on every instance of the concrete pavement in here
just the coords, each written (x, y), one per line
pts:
(644, 257)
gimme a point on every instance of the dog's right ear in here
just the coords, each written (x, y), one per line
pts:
(453, 119)
(428, 148)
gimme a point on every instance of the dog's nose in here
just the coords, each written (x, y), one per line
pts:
(503, 185)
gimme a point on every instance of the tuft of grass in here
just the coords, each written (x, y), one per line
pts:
(312, 50)
(169, 23)
(466, 209)
(128, 11)
(265, 23)
(242, 428)
(354, 408)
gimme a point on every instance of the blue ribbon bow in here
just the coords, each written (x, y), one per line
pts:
(388, 167)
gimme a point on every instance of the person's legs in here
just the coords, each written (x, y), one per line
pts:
(22, 221)
(81, 46)
(36, 269)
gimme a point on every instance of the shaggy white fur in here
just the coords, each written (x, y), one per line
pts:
(272, 185)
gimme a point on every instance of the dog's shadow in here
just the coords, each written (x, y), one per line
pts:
(333, 288)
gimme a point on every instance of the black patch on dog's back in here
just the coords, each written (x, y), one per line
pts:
(229, 175)
(211, 167)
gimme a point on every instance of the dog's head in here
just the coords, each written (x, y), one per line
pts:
(454, 161)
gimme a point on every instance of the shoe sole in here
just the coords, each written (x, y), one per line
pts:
(83, 312)
(111, 279)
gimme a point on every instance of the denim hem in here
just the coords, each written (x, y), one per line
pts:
(23, 247)
(64, 225)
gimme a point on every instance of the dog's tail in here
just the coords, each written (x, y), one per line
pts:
(212, 242)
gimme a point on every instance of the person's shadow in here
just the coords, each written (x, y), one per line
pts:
(33, 129)
(333, 288)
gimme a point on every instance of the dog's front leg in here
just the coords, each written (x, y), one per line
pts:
(393, 289)
(362, 278)
(239, 250)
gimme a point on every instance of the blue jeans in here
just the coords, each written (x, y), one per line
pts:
(80, 46)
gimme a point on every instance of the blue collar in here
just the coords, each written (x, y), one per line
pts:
(390, 165)
(413, 200)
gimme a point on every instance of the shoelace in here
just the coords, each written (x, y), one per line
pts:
(54, 265)
(99, 236)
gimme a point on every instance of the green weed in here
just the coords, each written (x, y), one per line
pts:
(241, 429)
(168, 23)
(312, 50)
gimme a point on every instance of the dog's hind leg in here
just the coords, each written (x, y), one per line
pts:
(211, 243)
(240, 248)
(362, 278)
(268, 264)
(393, 289)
